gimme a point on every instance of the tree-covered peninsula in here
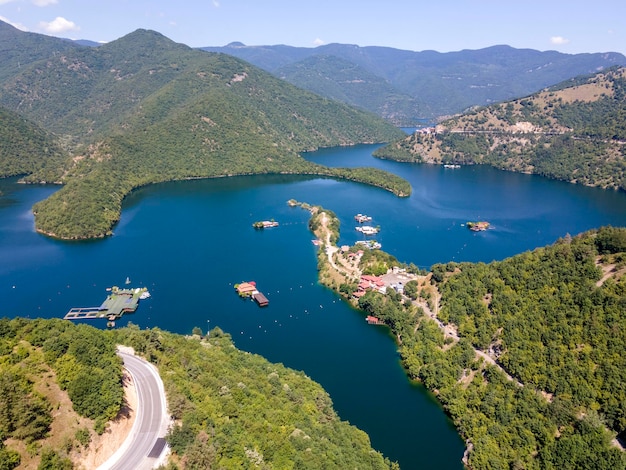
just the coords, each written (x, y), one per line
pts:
(231, 409)
(575, 131)
(525, 354)
(143, 109)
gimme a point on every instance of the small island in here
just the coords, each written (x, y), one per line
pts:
(265, 224)
(478, 226)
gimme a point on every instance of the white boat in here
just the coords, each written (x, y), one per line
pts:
(360, 218)
(127, 280)
(368, 230)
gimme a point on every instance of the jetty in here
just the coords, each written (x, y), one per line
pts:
(117, 303)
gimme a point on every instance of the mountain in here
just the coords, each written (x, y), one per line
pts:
(574, 131)
(439, 83)
(144, 109)
(26, 148)
(18, 48)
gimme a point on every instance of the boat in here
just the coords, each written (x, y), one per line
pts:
(447, 165)
(360, 218)
(144, 295)
(127, 281)
(368, 230)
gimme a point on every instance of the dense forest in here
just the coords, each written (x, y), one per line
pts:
(231, 408)
(408, 87)
(143, 109)
(574, 131)
(26, 149)
(525, 354)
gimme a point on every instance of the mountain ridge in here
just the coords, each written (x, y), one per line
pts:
(143, 109)
(441, 83)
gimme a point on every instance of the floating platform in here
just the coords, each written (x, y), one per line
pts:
(117, 303)
(248, 289)
(260, 299)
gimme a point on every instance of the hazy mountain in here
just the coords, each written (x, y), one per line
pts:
(440, 83)
(574, 131)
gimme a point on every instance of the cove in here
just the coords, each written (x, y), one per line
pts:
(190, 242)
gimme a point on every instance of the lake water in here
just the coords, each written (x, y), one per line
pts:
(190, 242)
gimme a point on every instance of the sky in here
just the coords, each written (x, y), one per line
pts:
(568, 26)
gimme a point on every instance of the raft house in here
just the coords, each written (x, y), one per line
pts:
(248, 289)
(117, 303)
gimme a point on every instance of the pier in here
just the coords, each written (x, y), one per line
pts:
(119, 302)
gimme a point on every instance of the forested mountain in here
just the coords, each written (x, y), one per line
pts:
(25, 148)
(19, 49)
(574, 131)
(256, 413)
(143, 109)
(526, 354)
(438, 84)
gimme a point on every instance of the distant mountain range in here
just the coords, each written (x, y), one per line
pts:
(407, 87)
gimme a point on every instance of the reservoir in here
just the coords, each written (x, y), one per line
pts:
(190, 242)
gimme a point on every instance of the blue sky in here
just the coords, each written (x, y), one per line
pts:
(572, 26)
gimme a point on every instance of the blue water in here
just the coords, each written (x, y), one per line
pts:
(190, 242)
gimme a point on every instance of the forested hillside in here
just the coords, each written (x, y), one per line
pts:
(575, 132)
(232, 409)
(143, 109)
(431, 84)
(526, 354)
(25, 148)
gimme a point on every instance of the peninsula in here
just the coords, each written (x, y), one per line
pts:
(454, 336)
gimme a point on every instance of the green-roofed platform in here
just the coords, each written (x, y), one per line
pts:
(117, 303)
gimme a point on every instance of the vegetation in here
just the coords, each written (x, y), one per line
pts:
(27, 149)
(404, 86)
(529, 365)
(144, 110)
(573, 132)
(232, 409)
(34, 355)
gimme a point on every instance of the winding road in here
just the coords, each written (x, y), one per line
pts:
(145, 445)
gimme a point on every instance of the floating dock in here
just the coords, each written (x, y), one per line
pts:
(119, 302)
(248, 289)
(260, 299)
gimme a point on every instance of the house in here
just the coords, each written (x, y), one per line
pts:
(246, 289)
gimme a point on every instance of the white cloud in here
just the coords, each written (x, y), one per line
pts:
(15, 25)
(319, 42)
(2, 2)
(558, 40)
(58, 25)
(44, 3)
(216, 3)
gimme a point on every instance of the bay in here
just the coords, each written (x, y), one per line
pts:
(190, 242)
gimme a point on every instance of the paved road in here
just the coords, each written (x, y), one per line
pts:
(145, 444)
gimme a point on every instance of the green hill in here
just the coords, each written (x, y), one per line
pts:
(572, 132)
(143, 109)
(525, 354)
(25, 148)
(345, 81)
(255, 412)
